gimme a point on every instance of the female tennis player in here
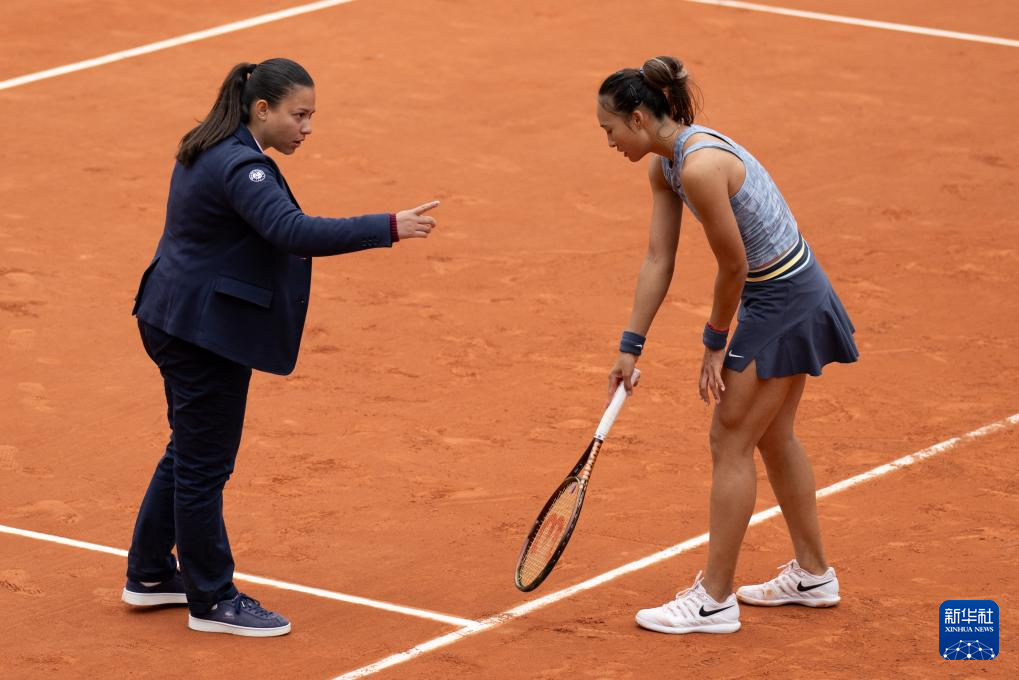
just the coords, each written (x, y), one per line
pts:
(227, 292)
(790, 324)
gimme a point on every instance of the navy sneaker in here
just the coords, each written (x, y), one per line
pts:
(240, 616)
(167, 592)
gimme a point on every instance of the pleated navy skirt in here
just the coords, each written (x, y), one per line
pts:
(790, 320)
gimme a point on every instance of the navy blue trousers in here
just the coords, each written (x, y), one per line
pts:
(205, 398)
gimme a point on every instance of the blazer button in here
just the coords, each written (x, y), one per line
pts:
(301, 301)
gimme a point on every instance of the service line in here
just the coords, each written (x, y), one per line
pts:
(679, 548)
(172, 42)
(854, 21)
(260, 580)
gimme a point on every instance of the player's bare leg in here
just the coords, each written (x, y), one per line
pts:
(748, 407)
(792, 480)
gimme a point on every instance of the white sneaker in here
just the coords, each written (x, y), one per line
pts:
(794, 586)
(693, 611)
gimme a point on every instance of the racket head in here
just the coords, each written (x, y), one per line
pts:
(552, 529)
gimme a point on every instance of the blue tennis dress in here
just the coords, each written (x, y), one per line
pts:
(790, 320)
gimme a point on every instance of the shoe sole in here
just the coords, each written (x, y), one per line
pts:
(152, 599)
(216, 627)
(830, 602)
(710, 628)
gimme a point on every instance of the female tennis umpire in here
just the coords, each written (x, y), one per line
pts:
(227, 292)
(791, 323)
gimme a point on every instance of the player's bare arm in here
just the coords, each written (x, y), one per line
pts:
(656, 271)
(705, 177)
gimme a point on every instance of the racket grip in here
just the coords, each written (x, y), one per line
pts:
(613, 409)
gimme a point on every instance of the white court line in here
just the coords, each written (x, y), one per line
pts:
(853, 21)
(315, 6)
(249, 578)
(679, 548)
(172, 42)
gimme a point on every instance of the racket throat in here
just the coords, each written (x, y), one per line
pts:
(585, 472)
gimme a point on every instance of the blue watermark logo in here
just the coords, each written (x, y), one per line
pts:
(969, 630)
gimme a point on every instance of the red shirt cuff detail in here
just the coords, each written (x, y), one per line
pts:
(393, 233)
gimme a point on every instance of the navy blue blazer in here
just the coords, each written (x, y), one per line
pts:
(232, 272)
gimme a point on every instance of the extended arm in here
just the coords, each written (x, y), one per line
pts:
(253, 192)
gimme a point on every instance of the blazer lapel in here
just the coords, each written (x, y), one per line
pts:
(282, 181)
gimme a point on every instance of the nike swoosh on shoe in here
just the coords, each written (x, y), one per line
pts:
(705, 612)
(802, 589)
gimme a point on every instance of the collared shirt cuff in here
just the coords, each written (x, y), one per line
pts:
(393, 233)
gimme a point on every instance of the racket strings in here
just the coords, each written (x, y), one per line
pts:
(550, 533)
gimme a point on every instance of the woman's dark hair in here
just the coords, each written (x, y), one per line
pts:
(271, 80)
(662, 85)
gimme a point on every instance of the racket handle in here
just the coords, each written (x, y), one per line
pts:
(615, 405)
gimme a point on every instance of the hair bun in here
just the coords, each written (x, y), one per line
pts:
(664, 71)
(661, 84)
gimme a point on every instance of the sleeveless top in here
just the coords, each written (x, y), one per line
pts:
(766, 224)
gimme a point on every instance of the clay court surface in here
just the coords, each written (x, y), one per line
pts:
(445, 386)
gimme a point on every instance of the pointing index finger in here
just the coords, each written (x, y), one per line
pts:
(425, 207)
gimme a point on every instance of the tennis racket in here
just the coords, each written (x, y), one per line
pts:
(555, 523)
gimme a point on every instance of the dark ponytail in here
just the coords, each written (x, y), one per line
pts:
(662, 85)
(271, 80)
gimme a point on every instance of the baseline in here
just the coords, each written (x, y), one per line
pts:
(679, 548)
(260, 580)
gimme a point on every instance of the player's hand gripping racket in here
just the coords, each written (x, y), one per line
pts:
(554, 526)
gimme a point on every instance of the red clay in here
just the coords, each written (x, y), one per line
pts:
(444, 387)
